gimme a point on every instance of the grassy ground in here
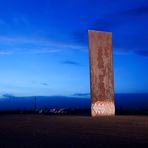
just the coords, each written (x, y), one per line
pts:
(43, 131)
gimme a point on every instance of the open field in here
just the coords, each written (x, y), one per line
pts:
(41, 131)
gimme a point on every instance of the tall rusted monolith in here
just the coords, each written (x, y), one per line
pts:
(101, 73)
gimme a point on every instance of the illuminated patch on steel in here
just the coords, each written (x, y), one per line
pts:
(98, 108)
(101, 108)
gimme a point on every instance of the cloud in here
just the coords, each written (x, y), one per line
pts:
(136, 11)
(128, 27)
(5, 52)
(71, 63)
(142, 52)
(124, 21)
(45, 84)
(22, 45)
(82, 94)
(37, 51)
(8, 96)
(81, 36)
(39, 83)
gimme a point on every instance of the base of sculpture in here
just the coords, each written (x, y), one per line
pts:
(102, 108)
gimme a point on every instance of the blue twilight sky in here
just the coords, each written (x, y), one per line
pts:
(44, 45)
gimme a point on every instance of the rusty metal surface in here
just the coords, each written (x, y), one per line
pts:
(101, 73)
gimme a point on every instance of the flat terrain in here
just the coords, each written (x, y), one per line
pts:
(43, 131)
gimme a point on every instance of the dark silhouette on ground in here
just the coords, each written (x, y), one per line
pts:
(123, 102)
(71, 111)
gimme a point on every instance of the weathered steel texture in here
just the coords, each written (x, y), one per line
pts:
(101, 73)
